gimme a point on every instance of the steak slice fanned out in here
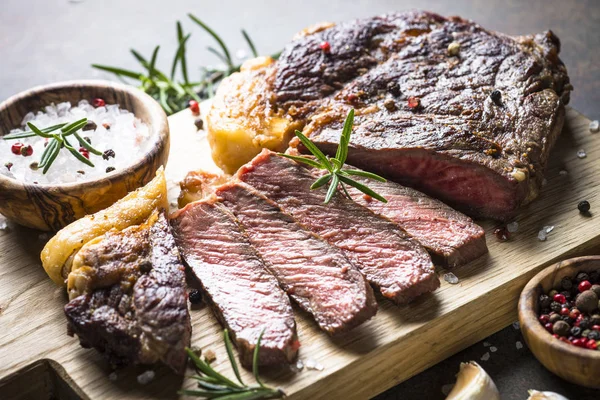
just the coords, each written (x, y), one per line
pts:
(461, 113)
(451, 238)
(245, 297)
(315, 274)
(133, 301)
(399, 267)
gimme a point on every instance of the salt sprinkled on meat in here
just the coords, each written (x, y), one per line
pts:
(146, 377)
(451, 278)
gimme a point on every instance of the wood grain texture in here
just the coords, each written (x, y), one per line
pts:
(396, 344)
(572, 363)
(50, 207)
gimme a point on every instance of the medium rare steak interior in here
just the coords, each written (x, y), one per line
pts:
(442, 104)
(129, 297)
(388, 258)
(315, 274)
(245, 297)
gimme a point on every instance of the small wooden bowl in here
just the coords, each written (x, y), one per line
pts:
(51, 207)
(574, 364)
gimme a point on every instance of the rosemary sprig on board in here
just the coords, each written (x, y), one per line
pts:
(213, 385)
(58, 139)
(336, 176)
(174, 94)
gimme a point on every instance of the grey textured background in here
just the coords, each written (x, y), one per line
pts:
(43, 41)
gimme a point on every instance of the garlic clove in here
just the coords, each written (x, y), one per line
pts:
(473, 383)
(535, 395)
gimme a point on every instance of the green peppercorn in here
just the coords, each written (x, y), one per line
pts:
(587, 301)
(561, 328)
(585, 332)
(552, 293)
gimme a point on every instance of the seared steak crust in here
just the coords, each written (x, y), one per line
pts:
(245, 297)
(398, 266)
(483, 156)
(315, 274)
(136, 311)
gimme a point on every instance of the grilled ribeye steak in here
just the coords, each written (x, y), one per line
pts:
(398, 266)
(134, 303)
(451, 237)
(245, 297)
(315, 274)
(443, 105)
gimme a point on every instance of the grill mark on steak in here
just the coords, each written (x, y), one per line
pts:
(245, 297)
(399, 267)
(458, 145)
(450, 237)
(316, 275)
(137, 309)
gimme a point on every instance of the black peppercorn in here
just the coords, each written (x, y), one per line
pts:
(496, 97)
(545, 301)
(145, 266)
(567, 295)
(109, 169)
(575, 331)
(566, 283)
(582, 276)
(199, 123)
(584, 323)
(89, 126)
(594, 276)
(195, 296)
(108, 154)
(565, 318)
(555, 306)
(594, 335)
(394, 89)
(583, 206)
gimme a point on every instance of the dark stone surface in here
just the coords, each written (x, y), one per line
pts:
(47, 41)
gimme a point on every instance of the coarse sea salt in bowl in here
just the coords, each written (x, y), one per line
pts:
(129, 132)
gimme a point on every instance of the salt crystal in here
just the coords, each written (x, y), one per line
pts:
(146, 377)
(112, 376)
(313, 365)
(451, 278)
(581, 153)
(300, 365)
(493, 349)
(548, 228)
(485, 357)
(487, 344)
(516, 325)
(446, 389)
(512, 227)
(241, 54)
(542, 235)
(594, 126)
(519, 345)
(563, 172)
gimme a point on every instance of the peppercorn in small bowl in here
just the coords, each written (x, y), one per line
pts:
(73, 148)
(559, 313)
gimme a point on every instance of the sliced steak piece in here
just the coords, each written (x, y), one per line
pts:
(398, 266)
(133, 302)
(245, 297)
(315, 274)
(451, 237)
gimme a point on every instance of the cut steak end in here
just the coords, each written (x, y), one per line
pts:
(398, 266)
(245, 297)
(135, 311)
(451, 238)
(315, 274)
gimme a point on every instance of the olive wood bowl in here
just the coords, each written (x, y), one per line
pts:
(574, 364)
(51, 207)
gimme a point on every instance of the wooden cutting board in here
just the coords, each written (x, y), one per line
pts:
(396, 344)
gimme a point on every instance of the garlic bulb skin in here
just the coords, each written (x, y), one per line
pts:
(535, 395)
(473, 383)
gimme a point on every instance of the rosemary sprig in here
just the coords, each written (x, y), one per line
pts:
(337, 175)
(58, 139)
(174, 94)
(213, 385)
